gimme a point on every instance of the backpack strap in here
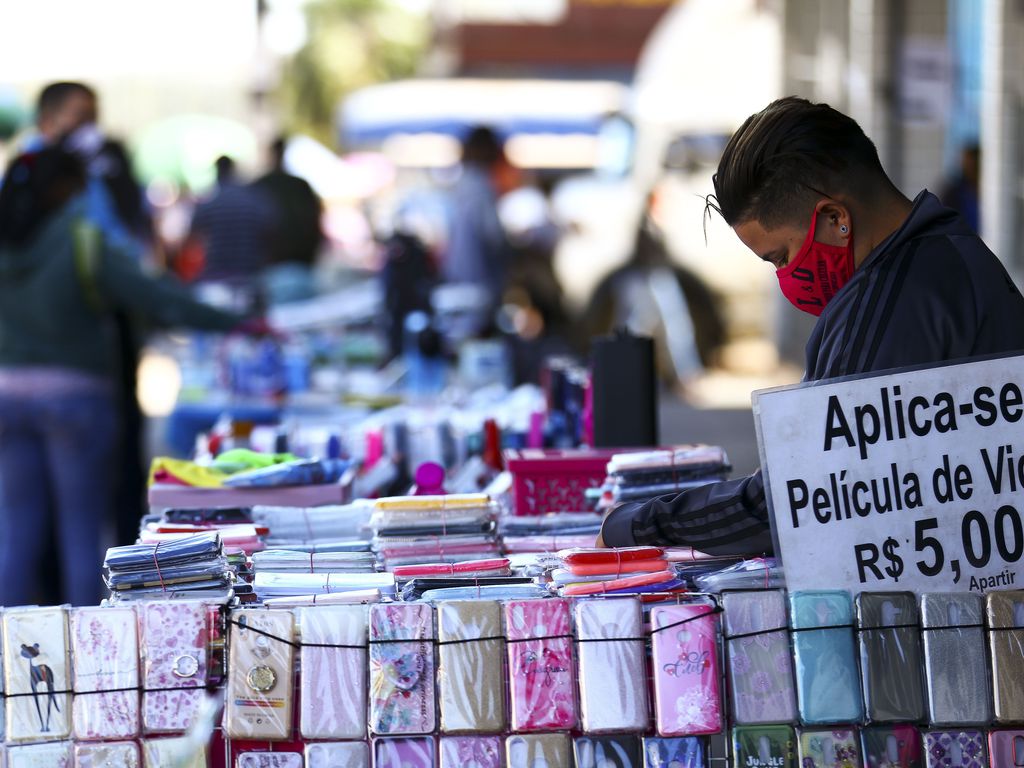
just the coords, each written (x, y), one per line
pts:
(88, 250)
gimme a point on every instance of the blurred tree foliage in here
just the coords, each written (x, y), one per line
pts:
(350, 44)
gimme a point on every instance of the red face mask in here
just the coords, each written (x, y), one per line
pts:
(816, 273)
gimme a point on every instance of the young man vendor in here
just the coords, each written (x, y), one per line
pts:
(893, 282)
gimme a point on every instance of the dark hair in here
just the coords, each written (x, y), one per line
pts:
(54, 95)
(35, 185)
(481, 147)
(786, 157)
(225, 167)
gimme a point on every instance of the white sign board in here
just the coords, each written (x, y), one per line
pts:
(911, 480)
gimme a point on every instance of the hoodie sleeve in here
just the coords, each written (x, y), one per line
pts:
(726, 518)
(122, 282)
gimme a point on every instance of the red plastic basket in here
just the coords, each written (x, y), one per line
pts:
(555, 480)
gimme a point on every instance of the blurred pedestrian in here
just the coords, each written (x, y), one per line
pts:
(236, 227)
(478, 251)
(298, 236)
(68, 114)
(961, 192)
(61, 279)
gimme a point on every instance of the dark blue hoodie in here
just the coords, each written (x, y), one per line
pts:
(929, 293)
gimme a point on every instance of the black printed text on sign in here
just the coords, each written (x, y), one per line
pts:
(911, 480)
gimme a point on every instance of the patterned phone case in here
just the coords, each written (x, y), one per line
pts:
(173, 642)
(404, 753)
(684, 652)
(955, 749)
(829, 748)
(542, 682)
(350, 754)
(608, 752)
(471, 752)
(685, 752)
(471, 677)
(332, 700)
(893, 746)
(260, 680)
(37, 674)
(105, 646)
(763, 746)
(402, 673)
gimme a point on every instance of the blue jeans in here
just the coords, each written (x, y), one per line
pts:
(56, 469)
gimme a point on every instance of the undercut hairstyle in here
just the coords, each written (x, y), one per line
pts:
(788, 156)
(53, 96)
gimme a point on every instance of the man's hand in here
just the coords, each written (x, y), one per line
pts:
(599, 542)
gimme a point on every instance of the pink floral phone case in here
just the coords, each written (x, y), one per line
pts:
(105, 645)
(173, 637)
(402, 673)
(471, 752)
(540, 665)
(687, 698)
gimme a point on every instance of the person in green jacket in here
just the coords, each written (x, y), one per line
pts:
(60, 283)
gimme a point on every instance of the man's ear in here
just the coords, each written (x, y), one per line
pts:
(834, 225)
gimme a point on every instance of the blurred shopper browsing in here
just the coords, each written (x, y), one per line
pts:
(478, 251)
(236, 228)
(61, 280)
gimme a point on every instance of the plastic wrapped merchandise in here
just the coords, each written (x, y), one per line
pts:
(759, 659)
(955, 661)
(404, 753)
(613, 675)
(684, 654)
(402, 673)
(536, 750)
(471, 676)
(105, 645)
(829, 748)
(471, 752)
(269, 760)
(608, 752)
(892, 746)
(763, 746)
(890, 657)
(261, 674)
(1006, 643)
(351, 754)
(37, 674)
(113, 754)
(179, 752)
(57, 755)
(332, 700)
(685, 752)
(173, 641)
(1006, 748)
(541, 669)
(827, 680)
(955, 749)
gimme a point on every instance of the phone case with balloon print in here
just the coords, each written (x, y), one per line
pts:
(684, 653)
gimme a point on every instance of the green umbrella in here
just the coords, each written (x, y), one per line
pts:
(14, 115)
(183, 149)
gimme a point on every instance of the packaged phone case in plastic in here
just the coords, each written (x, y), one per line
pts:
(608, 752)
(684, 657)
(1006, 749)
(827, 679)
(892, 746)
(404, 753)
(57, 755)
(37, 674)
(402, 673)
(471, 675)
(613, 675)
(829, 748)
(178, 752)
(113, 754)
(105, 648)
(684, 752)
(332, 689)
(269, 760)
(350, 754)
(1006, 639)
(955, 659)
(541, 750)
(763, 746)
(890, 656)
(173, 642)
(955, 749)
(471, 752)
(260, 678)
(541, 670)
(758, 656)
